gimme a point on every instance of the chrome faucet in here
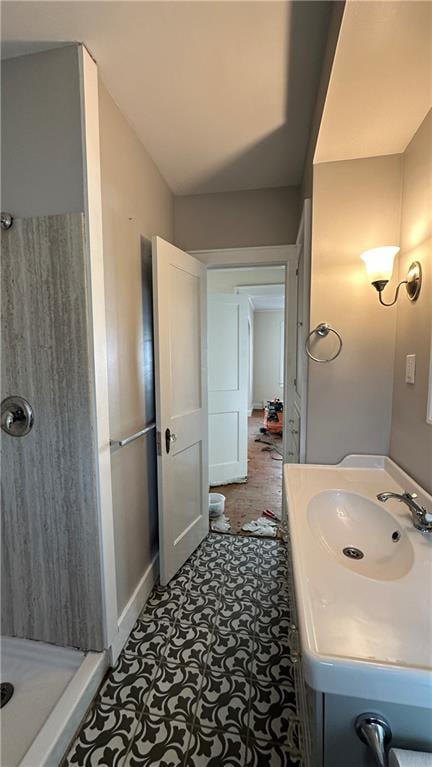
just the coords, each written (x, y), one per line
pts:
(422, 520)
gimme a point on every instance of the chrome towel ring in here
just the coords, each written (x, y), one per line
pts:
(321, 331)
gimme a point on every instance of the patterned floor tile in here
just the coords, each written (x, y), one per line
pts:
(231, 653)
(224, 703)
(272, 620)
(207, 582)
(272, 661)
(163, 604)
(236, 615)
(148, 638)
(209, 748)
(272, 711)
(241, 587)
(104, 738)
(128, 684)
(188, 645)
(158, 742)
(182, 578)
(220, 543)
(206, 678)
(253, 545)
(200, 609)
(261, 753)
(213, 555)
(246, 564)
(245, 555)
(272, 592)
(269, 546)
(175, 692)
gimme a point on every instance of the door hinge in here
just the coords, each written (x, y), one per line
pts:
(297, 272)
(295, 381)
(158, 443)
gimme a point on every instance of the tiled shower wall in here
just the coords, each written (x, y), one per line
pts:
(51, 582)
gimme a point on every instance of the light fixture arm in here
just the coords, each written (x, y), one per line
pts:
(412, 283)
(380, 290)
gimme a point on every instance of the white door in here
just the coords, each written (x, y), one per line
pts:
(179, 287)
(228, 366)
(297, 328)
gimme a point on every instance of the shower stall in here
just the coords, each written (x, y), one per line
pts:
(59, 611)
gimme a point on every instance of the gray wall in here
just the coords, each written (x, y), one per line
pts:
(411, 436)
(356, 207)
(42, 164)
(136, 204)
(237, 219)
(51, 577)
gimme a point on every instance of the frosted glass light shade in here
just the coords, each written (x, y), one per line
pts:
(379, 262)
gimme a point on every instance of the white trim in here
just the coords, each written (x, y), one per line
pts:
(258, 406)
(94, 236)
(429, 403)
(251, 288)
(305, 236)
(271, 255)
(235, 481)
(270, 310)
(250, 411)
(53, 739)
(134, 606)
(239, 268)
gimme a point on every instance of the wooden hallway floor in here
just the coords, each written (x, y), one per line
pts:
(263, 490)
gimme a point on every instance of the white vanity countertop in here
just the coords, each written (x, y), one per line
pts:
(361, 636)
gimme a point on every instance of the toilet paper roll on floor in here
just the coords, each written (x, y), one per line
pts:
(399, 757)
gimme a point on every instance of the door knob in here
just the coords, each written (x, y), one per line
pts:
(170, 437)
(16, 416)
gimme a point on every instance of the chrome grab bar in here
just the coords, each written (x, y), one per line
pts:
(133, 437)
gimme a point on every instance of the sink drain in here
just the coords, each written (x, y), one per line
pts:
(352, 553)
(6, 692)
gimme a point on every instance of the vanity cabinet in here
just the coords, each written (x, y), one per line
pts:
(330, 728)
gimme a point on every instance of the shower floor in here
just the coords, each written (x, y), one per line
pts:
(40, 674)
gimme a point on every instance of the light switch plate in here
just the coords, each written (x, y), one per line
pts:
(410, 366)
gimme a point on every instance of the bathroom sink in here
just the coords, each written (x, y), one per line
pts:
(360, 534)
(364, 625)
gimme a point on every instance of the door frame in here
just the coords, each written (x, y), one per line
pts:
(275, 255)
(304, 242)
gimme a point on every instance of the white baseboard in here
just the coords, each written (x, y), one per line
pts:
(133, 608)
(235, 481)
(258, 406)
(250, 412)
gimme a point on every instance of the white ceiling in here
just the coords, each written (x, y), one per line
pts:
(380, 88)
(220, 93)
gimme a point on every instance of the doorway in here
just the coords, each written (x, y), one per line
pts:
(181, 379)
(246, 370)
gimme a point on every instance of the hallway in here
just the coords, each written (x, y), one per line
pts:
(206, 678)
(263, 489)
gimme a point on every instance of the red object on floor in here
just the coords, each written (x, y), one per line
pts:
(273, 416)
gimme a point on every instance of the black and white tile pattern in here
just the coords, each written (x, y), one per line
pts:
(207, 676)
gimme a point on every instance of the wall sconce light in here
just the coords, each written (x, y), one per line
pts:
(379, 268)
